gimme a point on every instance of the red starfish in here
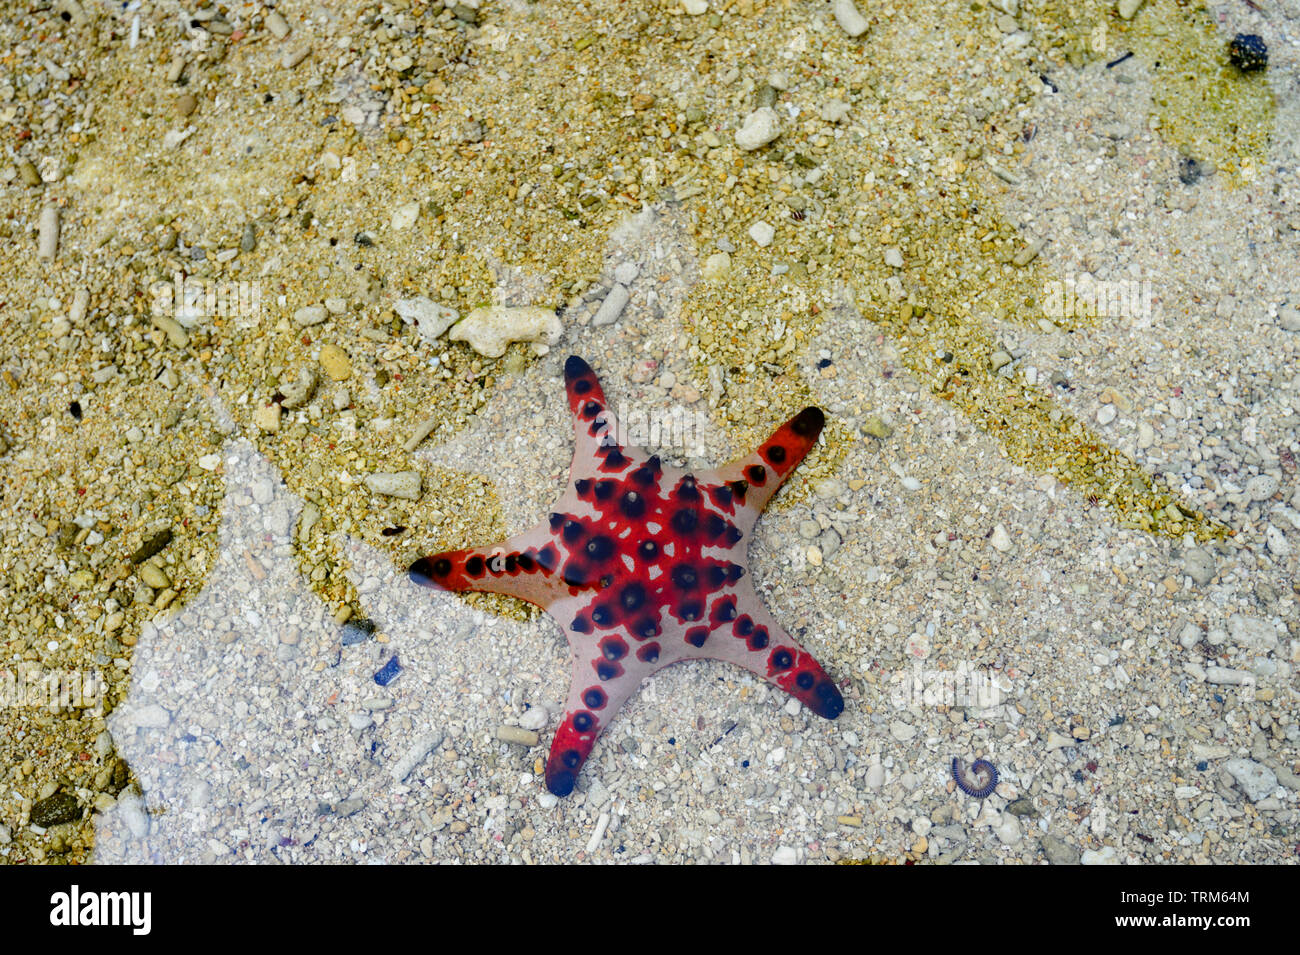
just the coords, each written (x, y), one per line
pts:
(643, 565)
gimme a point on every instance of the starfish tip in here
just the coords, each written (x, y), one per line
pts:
(561, 783)
(575, 368)
(829, 702)
(424, 570)
(809, 422)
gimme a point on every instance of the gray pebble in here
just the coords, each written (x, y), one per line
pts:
(1058, 852)
(612, 307)
(1256, 780)
(1261, 487)
(626, 273)
(1288, 316)
(1251, 632)
(422, 747)
(249, 241)
(1199, 565)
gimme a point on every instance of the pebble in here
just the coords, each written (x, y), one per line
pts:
(875, 777)
(877, 428)
(47, 243)
(785, 855)
(695, 8)
(894, 257)
(277, 24)
(430, 318)
(759, 128)
(298, 393)
(490, 329)
(1000, 539)
(1256, 780)
(154, 576)
(902, 731)
(267, 418)
(716, 267)
(186, 104)
(1106, 414)
(336, 363)
(850, 20)
(248, 241)
(1288, 316)
(1129, 8)
(1008, 830)
(1261, 487)
(1223, 676)
(612, 307)
(1056, 741)
(55, 810)
(809, 530)
(1106, 855)
(762, 234)
(403, 484)
(415, 754)
(517, 735)
(626, 272)
(31, 175)
(404, 216)
(1199, 565)
(1276, 541)
(1252, 633)
(310, 315)
(131, 807)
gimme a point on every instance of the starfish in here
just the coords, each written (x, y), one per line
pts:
(643, 565)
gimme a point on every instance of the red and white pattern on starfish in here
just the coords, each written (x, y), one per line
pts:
(644, 565)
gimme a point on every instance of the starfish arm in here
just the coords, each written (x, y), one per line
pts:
(756, 641)
(756, 477)
(598, 688)
(524, 566)
(595, 428)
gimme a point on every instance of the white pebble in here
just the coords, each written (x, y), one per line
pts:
(47, 245)
(626, 273)
(277, 24)
(310, 315)
(1008, 831)
(489, 329)
(875, 776)
(1000, 539)
(421, 748)
(404, 216)
(762, 234)
(785, 856)
(894, 257)
(429, 317)
(716, 267)
(612, 307)
(598, 833)
(850, 20)
(1106, 415)
(759, 128)
(695, 8)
